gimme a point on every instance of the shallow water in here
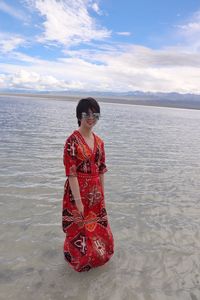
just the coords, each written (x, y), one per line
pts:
(152, 196)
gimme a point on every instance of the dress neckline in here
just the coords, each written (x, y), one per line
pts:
(85, 143)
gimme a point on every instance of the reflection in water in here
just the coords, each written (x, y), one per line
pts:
(152, 194)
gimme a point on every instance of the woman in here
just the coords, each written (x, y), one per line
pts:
(89, 240)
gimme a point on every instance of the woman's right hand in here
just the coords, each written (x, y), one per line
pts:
(80, 207)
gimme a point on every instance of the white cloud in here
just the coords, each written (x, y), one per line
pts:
(8, 43)
(68, 22)
(189, 33)
(131, 68)
(111, 66)
(95, 7)
(125, 33)
(192, 27)
(12, 11)
(134, 56)
(3, 81)
(31, 80)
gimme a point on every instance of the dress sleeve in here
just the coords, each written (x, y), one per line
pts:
(70, 157)
(102, 166)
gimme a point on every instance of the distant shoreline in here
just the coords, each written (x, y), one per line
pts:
(134, 100)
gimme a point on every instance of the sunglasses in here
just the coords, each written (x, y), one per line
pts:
(90, 115)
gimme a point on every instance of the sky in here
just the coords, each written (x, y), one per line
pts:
(100, 45)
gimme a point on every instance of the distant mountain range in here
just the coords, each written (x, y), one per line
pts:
(135, 97)
(140, 94)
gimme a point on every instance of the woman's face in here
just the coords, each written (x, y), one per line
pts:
(89, 119)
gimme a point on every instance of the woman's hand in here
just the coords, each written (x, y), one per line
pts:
(79, 205)
(74, 186)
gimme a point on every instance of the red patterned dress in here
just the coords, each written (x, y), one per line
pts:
(89, 241)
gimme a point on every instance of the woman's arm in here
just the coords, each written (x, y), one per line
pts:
(74, 185)
(69, 160)
(102, 181)
(102, 167)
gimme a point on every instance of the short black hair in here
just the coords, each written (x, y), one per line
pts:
(84, 105)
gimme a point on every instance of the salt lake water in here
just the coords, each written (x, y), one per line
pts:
(152, 193)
